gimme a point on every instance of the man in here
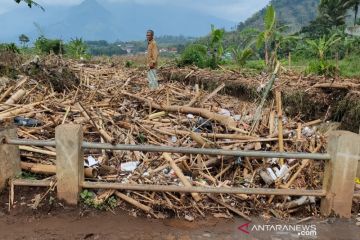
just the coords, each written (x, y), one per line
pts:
(152, 59)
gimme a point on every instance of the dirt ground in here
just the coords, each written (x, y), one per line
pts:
(56, 221)
(69, 224)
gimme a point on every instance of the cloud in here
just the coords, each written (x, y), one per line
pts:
(234, 10)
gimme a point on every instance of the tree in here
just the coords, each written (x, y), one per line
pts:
(265, 37)
(355, 4)
(334, 11)
(24, 39)
(30, 3)
(216, 45)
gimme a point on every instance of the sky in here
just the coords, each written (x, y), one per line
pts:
(233, 10)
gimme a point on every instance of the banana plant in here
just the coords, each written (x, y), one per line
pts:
(322, 45)
(242, 55)
(216, 45)
(77, 48)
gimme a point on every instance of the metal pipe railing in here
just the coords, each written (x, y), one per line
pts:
(230, 190)
(184, 150)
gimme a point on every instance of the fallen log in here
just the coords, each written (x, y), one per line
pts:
(224, 120)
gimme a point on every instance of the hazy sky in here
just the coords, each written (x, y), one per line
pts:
(235, 10)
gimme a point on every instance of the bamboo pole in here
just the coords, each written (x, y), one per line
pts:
(280, 124)
(181, 175)
(51, 169)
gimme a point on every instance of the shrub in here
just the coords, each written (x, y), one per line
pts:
(194, 54)
(77, 49)
(46, 46)
(322, 68)
(9, 47)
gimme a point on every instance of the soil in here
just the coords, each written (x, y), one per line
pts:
(54, 220)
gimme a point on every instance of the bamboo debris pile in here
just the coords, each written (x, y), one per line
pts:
(114, 105)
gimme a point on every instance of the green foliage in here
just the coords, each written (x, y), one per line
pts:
(322, 45)
(9, 47)
(129, 64)
(77, 49)
(241, 56)
(30, 3)
(322, 67)
(194, 54)
(46, 46)
(334, 11)
(88, 198)
(216, 46)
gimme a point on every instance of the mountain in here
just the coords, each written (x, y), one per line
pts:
(294, 13)
(106, 20)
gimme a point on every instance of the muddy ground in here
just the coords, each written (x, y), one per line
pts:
(53, 220)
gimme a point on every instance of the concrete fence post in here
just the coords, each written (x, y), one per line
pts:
(340, 173)
(69, 162)
(9, 157)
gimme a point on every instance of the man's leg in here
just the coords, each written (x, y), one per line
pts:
(152, 78)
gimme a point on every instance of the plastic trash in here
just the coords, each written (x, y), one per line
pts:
(271, 173)
(237, 117)
(266, 177)
(203, 124)
(91, 161)
(190, 116)
(308, 132)
(27, 122)
(173, 139)
(238, 161)
(129, 166)
(224, 112)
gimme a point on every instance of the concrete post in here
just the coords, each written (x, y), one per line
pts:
(9, 157)
(69, 162)
(340, 173)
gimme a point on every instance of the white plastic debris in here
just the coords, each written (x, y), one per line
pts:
(90, 162)
(271, 173)
(224, 112)
(173, 139)
(237, 117)
(129, 166)
(308, 132)
(283, 171)
(189, 218)
(190, 116)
